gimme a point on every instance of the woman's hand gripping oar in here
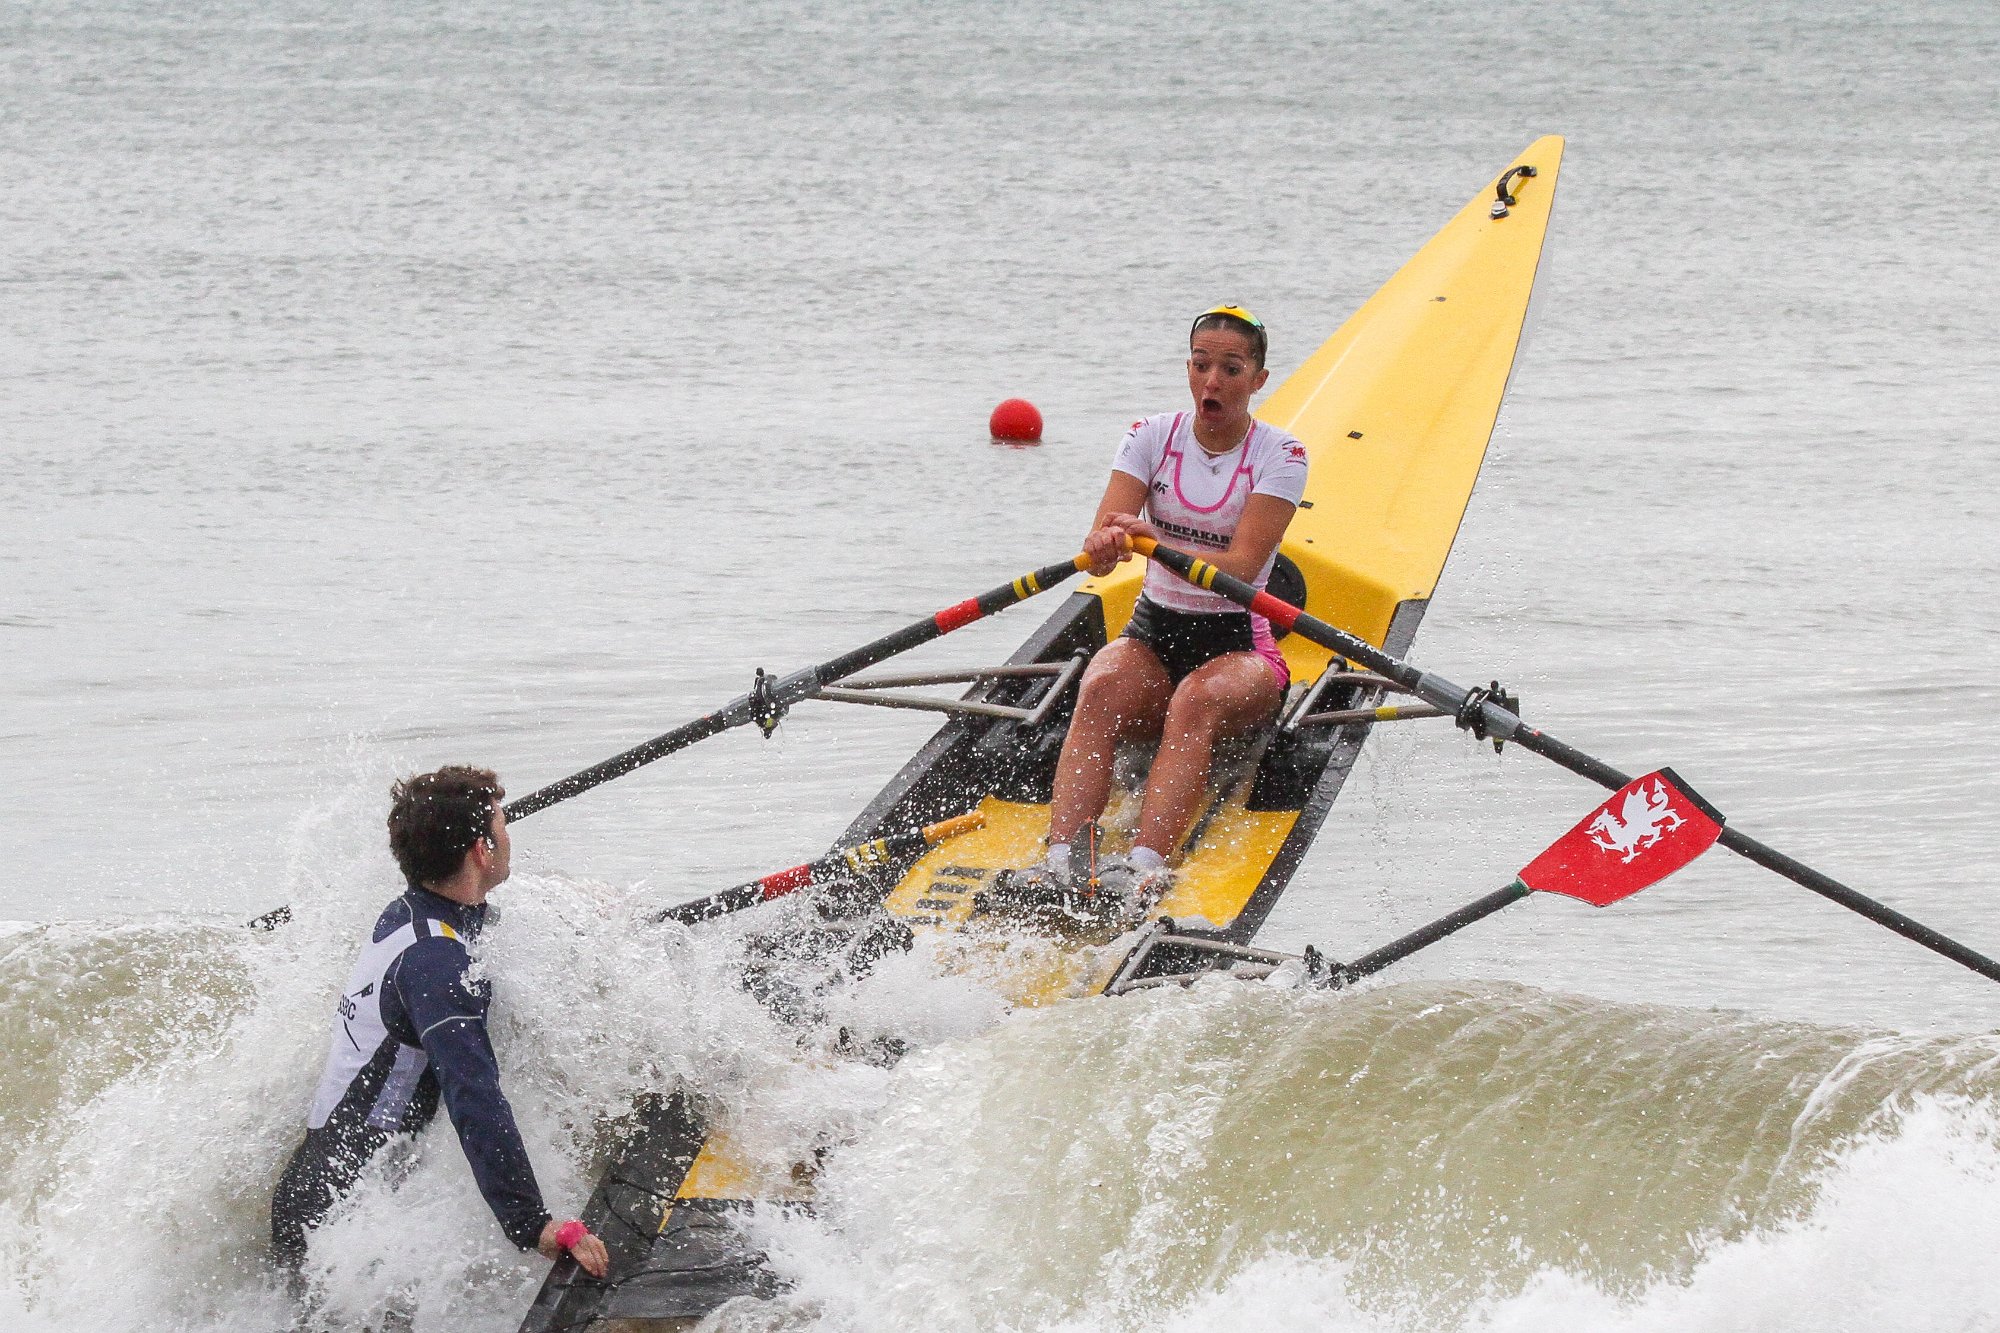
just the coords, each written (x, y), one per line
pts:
(769, 698)
(839, 863)
(1643, 833)
(1478, 711)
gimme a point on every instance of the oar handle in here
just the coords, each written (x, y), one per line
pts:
(946, 829)
(1286, 616)
(1477, 712)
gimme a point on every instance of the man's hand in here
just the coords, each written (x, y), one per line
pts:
(589, 1250)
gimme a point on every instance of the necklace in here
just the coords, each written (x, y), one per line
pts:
(1214, 454)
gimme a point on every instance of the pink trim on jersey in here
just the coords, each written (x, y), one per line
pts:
(1197, 524)
(1166, 452)
(1180, 456)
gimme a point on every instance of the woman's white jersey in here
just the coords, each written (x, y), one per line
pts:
(1196, 498)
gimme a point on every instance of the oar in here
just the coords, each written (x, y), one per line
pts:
(769, 698)
(1647, 830)
(854, 860)
(1478, 711)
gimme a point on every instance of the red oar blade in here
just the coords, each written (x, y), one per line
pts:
(1648, 829)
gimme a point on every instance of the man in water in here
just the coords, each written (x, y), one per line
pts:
(411, 1026)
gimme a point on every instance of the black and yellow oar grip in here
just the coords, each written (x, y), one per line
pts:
(1204, 575)
(884, 850)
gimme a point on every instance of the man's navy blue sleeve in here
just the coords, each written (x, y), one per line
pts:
(449, 1016)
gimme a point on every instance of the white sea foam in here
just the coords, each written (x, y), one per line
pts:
(140, 1198)
(1900, 1236)
(997, 1192)
(1376, 1160)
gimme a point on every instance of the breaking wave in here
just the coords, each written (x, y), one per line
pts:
(1419, 1156)
(1415, 1156)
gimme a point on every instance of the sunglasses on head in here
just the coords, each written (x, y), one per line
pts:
(1233, 312)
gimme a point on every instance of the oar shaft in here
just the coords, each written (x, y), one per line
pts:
(1880, 913)
(782, 694)
(732, 714)
(944, 622)
(1736, 840)
(729, 900)
(1423, 937)
(1489, 719)
(855, 859)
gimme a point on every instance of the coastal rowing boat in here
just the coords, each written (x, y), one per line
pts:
(1396, 410)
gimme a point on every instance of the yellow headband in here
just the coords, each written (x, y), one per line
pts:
(1234, 312)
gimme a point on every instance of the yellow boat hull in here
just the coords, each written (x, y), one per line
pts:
(1395, 410)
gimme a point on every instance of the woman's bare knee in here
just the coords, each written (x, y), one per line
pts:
(1126, 682)
(1225, 696)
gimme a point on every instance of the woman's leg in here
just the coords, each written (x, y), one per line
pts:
(1228, 695)
(1124, 693)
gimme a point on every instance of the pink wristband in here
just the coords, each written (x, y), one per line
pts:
(571, 1233)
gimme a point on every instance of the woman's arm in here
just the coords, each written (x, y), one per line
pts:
(1117, 513)
(1258, 533)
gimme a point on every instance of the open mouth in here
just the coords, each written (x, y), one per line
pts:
(1211, 406)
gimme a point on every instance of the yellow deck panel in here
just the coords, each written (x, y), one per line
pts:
(1012, 836)
(1217, 877)
(933, 898)
(719, 1171)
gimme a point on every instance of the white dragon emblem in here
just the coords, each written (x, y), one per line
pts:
(1647, 816)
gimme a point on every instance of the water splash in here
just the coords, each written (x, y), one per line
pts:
(1410, 1156)
(1426, 1155)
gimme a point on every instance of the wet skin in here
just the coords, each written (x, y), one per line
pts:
(1126, 693)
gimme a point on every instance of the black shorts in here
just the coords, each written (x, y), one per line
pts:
(1185, 640)
(323, 1168)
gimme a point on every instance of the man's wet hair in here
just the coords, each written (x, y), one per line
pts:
(436, 818)
(1215, 319)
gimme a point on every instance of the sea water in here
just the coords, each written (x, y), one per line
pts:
(384, 386)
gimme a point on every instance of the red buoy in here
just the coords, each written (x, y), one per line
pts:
(1016, 419)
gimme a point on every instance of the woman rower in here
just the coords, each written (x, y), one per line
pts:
(1191, 667)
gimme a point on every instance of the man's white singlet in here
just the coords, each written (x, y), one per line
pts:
(358, 1032)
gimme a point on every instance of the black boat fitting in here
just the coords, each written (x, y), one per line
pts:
(1503, 197)
(1472, 713)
